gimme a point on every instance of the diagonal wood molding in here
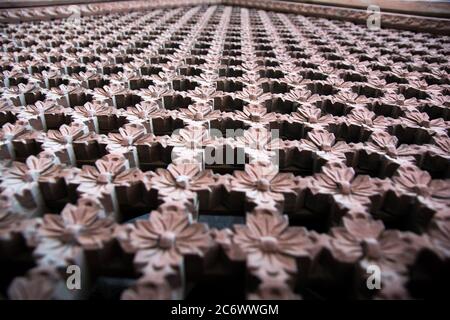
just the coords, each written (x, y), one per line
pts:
(432, 8)
(388, 19)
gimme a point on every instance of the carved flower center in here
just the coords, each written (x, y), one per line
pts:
(198, 116)
(71, 232)
(391, 150)
(31, 176)
(425, 123)
(167, 240)
(263, 184)
(422, 189)
(344, 187)
(269, 244)
(182, 181)
(326, 146)
(372, 248)
(368, 121)
(104, 178)
(255, 117)
(127, 140)
(312, 119)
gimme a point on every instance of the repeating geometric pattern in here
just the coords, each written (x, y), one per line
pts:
(278, 156)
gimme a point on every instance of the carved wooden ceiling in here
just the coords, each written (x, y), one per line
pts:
(260, 148)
